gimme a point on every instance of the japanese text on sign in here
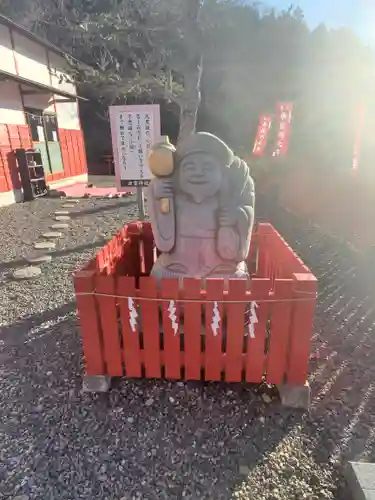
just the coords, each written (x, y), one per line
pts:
(134, 129)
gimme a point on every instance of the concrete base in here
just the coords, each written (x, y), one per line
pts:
(10, 197)
(295, 396)
(96, 383)
(361, 480)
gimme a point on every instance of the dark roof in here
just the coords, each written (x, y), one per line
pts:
(20, 29)
(4, 75)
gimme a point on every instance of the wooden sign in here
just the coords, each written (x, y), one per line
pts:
(134, 130)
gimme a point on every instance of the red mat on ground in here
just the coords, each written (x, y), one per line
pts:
(80, 189)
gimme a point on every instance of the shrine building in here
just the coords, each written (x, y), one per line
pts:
(39, 110)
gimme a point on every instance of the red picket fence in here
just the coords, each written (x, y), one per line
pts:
(230, 330)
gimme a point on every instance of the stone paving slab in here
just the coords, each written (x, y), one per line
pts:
(38, 259)
(44, 245)
(62, 217)
(27, 273)
(52, 234)
(60, 226)
(361, 480)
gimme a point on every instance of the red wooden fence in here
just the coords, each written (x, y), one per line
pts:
(73, 152)
(13, 137)
(240, 330)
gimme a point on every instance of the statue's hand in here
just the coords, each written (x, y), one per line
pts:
(228, 241)
(163, 188)
(228, 217)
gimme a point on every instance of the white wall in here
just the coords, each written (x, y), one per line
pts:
(7, 62)
(40, 65)
(39, 101)
(31, 59)
(11, 110)
(60, 67)
(67, 115)
(67, 112)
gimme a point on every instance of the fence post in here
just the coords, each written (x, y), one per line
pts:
(281, 311)
(134, 234)
(264, 230)
(106, 304)
(89, 321)
(305, 291)
(148, 247)
(150, 327)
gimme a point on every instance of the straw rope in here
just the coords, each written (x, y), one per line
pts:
(312, 297)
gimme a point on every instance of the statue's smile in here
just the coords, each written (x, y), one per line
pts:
(197, 180)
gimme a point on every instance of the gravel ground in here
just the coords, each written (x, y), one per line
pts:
(160, 440)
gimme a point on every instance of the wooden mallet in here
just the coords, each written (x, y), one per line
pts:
(161, 164)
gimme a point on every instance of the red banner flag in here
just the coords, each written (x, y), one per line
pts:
(261, 139)
(284, 116)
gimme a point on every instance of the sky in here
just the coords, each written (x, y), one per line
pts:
(357, 14)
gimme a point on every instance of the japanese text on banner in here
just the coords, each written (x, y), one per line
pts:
(284, 113)
(261, 139)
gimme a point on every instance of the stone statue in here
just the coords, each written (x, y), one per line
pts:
(201, 205)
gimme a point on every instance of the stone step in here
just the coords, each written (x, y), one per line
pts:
(60, 226)
(44, 245)
(38, 259)
(26, 273)
(361, 480)
(52, 234)
(62, 217)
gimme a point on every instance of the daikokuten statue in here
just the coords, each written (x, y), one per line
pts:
(201, 205)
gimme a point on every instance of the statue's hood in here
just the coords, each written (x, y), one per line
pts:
(204, 142)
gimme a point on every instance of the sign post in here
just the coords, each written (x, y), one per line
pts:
(134, 130)
(141, 203)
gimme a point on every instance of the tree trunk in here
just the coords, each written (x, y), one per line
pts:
(191, 98)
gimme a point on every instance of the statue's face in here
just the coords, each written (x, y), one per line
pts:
(200, 176)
